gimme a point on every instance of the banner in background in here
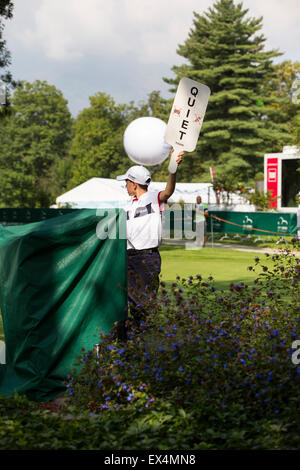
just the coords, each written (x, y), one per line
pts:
(253, 223)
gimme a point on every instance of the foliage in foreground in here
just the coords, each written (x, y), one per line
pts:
(207, 369)
(200, 346)
(164, 427)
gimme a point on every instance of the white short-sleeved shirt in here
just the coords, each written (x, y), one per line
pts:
(144, 221)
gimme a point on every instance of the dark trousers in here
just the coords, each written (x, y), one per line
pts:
(143, 269)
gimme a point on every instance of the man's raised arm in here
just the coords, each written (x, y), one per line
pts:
(171, 183)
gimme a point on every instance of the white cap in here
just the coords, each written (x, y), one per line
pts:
(137, 174)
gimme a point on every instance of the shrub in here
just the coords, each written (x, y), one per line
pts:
(203, 348)
(206, 369)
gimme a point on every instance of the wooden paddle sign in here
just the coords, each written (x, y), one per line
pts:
(185, 121)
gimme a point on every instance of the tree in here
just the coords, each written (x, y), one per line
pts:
(296, 129)
(282, 89)
(286, 88)
(224, 52)
(35, 136)
(6, 12)
(97, 148)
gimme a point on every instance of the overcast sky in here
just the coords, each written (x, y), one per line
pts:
(121, 47)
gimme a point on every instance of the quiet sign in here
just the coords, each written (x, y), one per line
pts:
(186, 117)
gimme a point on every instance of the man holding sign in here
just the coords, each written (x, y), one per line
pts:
(144, 235)
(144, 225)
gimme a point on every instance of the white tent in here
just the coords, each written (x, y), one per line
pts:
(109, 193)
(96, 192)
(187, 192)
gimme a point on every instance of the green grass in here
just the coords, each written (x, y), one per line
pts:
(223, 265)
(257, 241)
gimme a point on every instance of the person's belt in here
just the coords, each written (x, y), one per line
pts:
(147, 250)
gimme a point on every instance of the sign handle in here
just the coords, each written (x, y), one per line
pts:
(172, 164)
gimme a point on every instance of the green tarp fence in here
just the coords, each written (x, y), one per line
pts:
(62, 282)
(28, 215)
(179, 223)
(253, 223)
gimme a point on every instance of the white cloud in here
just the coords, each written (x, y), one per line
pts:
(148, 29)
(122, 47)
(68, 29)
(280, 24)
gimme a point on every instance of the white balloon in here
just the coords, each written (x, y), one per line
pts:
(144, 141)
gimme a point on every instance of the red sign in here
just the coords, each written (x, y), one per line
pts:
(272, 179)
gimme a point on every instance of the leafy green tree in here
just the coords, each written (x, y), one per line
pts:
(158, 107)
(6, 12)
(281, 87)
(97, 148)
(35, 137)
(6, 9)
(286, 88)
(224, 51)
(296, 129)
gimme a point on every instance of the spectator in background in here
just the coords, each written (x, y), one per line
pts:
(201, 215)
